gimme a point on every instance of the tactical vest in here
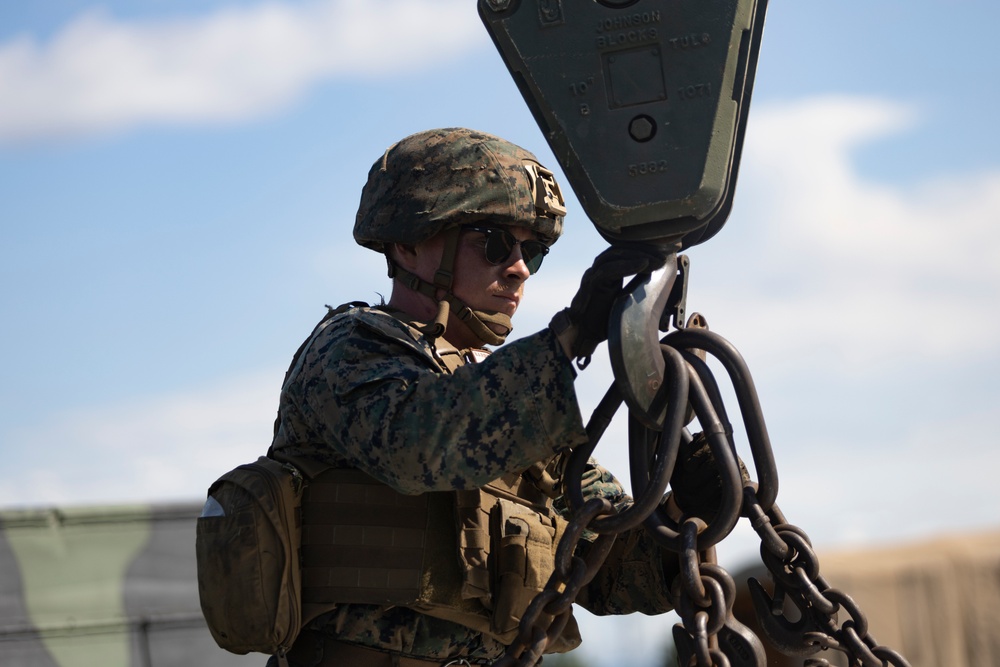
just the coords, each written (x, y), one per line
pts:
(474, 557)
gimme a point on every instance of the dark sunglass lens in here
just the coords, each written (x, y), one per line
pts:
(499, 244)
(533, 253)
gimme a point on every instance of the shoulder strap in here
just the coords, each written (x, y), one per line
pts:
(444, 353)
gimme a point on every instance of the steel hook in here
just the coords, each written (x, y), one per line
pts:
(634, 342)
(786, 636)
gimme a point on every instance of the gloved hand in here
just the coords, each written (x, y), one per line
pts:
(696, 482)
(589, 311)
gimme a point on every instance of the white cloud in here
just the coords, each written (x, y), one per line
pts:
(150, 449)
(880, 273)
(100, 74)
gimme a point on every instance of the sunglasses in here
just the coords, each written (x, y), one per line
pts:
(500, 244)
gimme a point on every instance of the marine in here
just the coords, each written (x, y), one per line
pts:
(409, 396)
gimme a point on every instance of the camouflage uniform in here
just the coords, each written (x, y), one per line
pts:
(371, 393)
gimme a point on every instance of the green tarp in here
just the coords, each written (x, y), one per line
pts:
(103, 587)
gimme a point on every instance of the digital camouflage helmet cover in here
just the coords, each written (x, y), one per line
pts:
(435, 181)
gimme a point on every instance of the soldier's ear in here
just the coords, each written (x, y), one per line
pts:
(404, 255)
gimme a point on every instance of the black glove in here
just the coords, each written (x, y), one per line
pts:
(696, 482)
(601, 285)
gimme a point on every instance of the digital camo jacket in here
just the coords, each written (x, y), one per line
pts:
(369, 392)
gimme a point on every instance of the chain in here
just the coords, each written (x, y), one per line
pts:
(702, 593)
(550, 610)
(788, 555)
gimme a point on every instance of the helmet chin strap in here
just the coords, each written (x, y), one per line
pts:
(477, 321)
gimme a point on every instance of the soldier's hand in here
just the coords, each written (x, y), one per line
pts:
(584, 325)
(696, 481)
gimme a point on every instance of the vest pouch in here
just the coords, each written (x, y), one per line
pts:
(524, 558)
(247, 543)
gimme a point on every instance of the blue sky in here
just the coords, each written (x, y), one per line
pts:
(178, 182)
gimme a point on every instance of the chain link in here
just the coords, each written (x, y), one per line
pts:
(550, 610)
(703, 593)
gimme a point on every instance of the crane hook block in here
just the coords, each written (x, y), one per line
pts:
(643, 102)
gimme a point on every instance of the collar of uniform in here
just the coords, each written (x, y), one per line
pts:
(443, 352)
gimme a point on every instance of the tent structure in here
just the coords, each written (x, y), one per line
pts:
(100, 587)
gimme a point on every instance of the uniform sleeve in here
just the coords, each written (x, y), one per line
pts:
(363, 401)
(636, 575)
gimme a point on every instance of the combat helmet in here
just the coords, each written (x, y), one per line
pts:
(435, 181)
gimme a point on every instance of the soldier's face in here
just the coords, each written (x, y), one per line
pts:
(485, 286)
(478, 283)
